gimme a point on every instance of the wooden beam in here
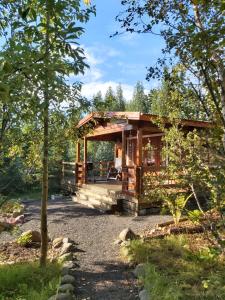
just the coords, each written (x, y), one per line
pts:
(78, 152)
(139, 147)
(123, 149)
(85, 160)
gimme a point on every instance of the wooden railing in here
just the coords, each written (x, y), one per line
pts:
(68, 181)
(132, 180)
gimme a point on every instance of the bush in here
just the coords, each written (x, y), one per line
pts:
(174, 271)
(28, 281)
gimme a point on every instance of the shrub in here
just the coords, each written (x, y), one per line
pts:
(28, 281)
(25, 239)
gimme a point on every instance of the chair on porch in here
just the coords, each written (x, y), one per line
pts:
(115, 171)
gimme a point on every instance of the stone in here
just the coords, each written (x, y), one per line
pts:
(143, 295)
(57, 242)
(67, 240)
(66, 267)
(67, 279)
(18, 212)
(35, 235)
(127, 234)
(65, 257)
(139, 271)
(66, 288)
(125, 244)
(61, 297)
(5, 226)
(117, 242)
(66, 247)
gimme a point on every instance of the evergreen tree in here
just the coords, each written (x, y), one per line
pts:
(110, 100)
(120, 99)
(98, 103)
(140, 101)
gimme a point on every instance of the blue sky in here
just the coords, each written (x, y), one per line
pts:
(122, 59)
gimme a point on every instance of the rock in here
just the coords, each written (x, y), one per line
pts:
(61, 297)
(5, 226)
(17, 220)
(66, 267)
(127, 234)
(67, 240)
(139, 271)
(67, 279)
(65, 257)
(18, 212)
(66, 247)
(66, 288)
(35, 235)
(117, 242)
(57, 242)
(143, 295)
(125, 244)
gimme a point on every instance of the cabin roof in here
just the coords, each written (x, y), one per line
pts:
(137, 116)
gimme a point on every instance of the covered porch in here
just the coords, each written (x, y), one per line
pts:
(119, 183)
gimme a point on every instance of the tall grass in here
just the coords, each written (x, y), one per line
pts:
(174, 272)
(28, 282)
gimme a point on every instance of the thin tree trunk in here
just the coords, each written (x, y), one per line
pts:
(44, 225)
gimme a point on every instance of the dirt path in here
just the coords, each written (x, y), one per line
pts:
(101, 274)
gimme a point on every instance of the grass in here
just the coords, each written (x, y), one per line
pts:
(27, 281)
(174, 272)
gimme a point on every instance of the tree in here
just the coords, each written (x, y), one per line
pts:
(193, 32)
(98, 103)
(120, 98)
(110, 100)
(174, 95)
(139, 102)
(44, 42)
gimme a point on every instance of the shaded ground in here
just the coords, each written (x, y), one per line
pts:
(101, 275)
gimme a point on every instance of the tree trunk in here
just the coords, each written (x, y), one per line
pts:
(44, 225)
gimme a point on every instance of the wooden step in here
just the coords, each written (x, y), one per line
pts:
(92, 203)
(105, 198)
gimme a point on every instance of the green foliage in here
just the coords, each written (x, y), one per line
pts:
(24, 239)
(28, 281)
(140, 102)
(176, 206)
(193, 32)
(173, 271)
(10, 206)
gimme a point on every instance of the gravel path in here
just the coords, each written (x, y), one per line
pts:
(101, 274)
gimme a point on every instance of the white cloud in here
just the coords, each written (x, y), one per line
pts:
(91, 88)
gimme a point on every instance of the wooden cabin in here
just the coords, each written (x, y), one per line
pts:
(118, 184)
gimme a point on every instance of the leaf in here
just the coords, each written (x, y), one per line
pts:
(87, 2)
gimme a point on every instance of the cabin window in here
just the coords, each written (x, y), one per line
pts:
(149, 153)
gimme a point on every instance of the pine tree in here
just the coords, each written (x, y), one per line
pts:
(110, 100)
(140, 101)
(120, 98)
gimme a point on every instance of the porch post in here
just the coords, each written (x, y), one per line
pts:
(85, 160)
(138, 171)
(139, 147)
(77, 160)
(124, 169)
(78, 152)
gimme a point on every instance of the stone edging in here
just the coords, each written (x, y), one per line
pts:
(66, 289)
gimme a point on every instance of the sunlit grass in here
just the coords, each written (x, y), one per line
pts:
(28, 281)
(175, 272)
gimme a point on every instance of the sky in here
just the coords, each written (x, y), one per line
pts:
(118, 60)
